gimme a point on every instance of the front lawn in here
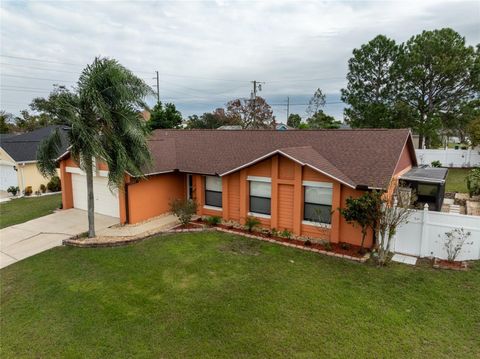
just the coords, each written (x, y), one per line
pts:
(456, 180)
(24, 209)
(211, 295)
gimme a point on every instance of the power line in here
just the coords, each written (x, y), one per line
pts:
(39, 68)
(36, 78)
(38, 60)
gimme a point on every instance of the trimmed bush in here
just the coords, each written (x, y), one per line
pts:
(43, 188)
(54, 185)
(28, 191)
(436, 164)
(184, 209)
(251, 223)
(213, 221)
(286, 234)
(13, 190)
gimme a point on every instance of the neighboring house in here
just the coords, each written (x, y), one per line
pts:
(18, 159)
(294, 180)
(282, 127)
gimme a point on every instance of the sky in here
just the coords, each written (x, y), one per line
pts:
(208, 52)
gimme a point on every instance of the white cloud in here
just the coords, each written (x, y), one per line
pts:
(196, 44)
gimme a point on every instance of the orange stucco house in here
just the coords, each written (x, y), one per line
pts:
(294, 180)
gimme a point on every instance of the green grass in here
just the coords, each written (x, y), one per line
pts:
(456, 180)
(213, 295)
(24, 209)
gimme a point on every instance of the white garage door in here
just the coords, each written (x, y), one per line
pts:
(8, 177)
(105, 202)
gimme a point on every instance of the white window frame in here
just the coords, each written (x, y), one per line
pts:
(316, 184)
(264, 180)
(207, 206)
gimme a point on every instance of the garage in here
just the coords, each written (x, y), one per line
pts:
(8, 175)
(106, 202)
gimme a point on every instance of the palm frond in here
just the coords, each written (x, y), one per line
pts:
(47, 153)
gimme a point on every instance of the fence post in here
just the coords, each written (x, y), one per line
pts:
(424, 236)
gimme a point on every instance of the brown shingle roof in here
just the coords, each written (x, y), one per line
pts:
(355, 157)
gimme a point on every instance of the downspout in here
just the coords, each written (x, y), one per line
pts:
(127, 210)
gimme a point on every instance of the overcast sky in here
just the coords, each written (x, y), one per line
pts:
(208, 52)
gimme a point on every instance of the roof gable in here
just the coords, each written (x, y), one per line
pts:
(354, 157)
(23, 147)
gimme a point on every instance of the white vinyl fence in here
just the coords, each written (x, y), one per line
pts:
(423, 235)
(450, 157)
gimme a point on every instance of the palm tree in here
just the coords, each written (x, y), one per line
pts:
(104, 123)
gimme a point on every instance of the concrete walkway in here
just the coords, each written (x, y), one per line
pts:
(27, 239)
(154, 225)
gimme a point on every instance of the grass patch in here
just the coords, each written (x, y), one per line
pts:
(24, 209)
(456, 180)
(213, 294)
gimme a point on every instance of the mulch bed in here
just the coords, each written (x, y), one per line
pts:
(444, 264)
(340, 249)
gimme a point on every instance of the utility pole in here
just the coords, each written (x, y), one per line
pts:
(288, 108)
(158, 87)
(256, 84)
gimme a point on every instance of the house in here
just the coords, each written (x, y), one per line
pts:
(18, 159)
(294, 180)
(280, 126)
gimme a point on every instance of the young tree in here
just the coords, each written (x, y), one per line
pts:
(371, 90)
(164, 116)
(316, 102)
(294, 120)
(251, 114)
(364, 211)
(104, 123)
(437, 73)
(394, 211)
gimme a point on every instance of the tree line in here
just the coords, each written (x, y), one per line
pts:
(430, 83)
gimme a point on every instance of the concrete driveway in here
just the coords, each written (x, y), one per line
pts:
(27, 239)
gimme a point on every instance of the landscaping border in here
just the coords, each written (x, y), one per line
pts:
(75, 242)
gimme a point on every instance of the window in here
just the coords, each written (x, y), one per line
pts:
(213, 191)
(318, 203)
(260, 197)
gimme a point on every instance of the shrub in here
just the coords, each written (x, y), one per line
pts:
(43, 188)
(37, 193)
(13, 190)
(274, 232)
(327, 246)
(184, 209)
(345, 246)
(473, 182)
(213, 221)
(308, 243)
(28, 191)
(54, 185)
(436, 164)
(251, 223)
(454, 241)
(286, 234)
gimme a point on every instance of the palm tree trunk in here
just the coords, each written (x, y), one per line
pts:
(90, 199)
